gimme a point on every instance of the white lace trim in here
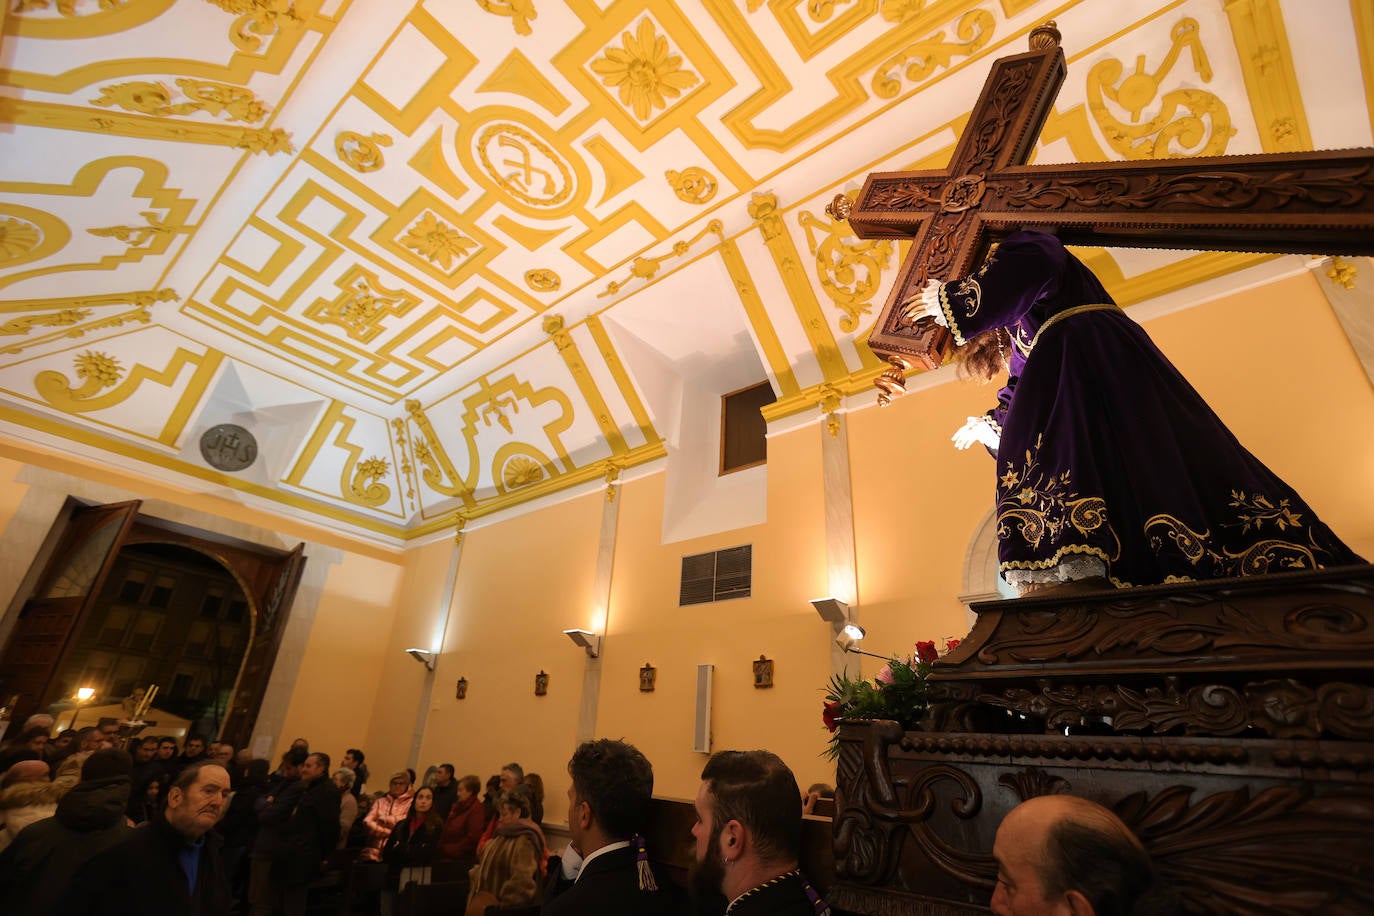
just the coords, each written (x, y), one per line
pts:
(1072, 566)
(930, 303)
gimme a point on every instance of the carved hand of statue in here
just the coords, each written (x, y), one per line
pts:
(926, 304)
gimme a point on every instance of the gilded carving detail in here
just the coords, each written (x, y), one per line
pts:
(919, 60)
(215, 99)
(520, 12)
(692, 185)
(65, 7)
(439, 472)
(366, 487)
(524, 166)
(71, 312)
(1196, 120)
(437, 241)
(849, 270)
(521, 471)
(138, 236)
(17, 238)
(642, 71)
(542, 280)
(270, 140)
(361, 154)
(362, 305)
(258, 17)
(60, 318)
(645, 268)
(1341, 272)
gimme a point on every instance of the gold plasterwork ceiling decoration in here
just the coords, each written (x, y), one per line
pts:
(415, 248)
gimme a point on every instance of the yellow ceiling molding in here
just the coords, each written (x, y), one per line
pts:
(215, 99)
(596, 471)
(543, 280)
(238, 70)
(764, 210)
(361, 480)
(359, 153)
(1266, 61)
(425, 232)
(519, 464)
(144, 297)
(231, 508)
(646, 268)
(809, 42)
(779, 366)
(151, 186)
(401, 449)
(261, 17)
(530, 238)
(439, 472)
(78, 18)
(586, 383)
(71, 318)
(519, 11)
(524, 165)
(634, 212)
(363, 304)
(1363, 13)
(429, 161)
(1193, 120)
(270, 140)
(29, 234)
(458, 61)
(99, 371)
(491, 401)
(692, 185)
(849, 269)
(847, 80)
(646, 71)
(860, 382)
(622, 378)
(620, 174)
(517, 75)
(916, 62)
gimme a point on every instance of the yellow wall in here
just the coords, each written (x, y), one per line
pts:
(1271, 361)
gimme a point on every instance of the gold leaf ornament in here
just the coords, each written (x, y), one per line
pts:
(693, 185)
(437, 241)
(360, 153)
(521, 472)
(642, 71)
(542, 280)
(17, 238)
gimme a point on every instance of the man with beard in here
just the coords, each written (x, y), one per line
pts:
(605, 868)
(748, 836)
(169, 866)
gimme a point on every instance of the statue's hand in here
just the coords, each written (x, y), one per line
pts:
(926, 304)
(976, 430)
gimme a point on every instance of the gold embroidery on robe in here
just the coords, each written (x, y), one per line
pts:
(1036, 505)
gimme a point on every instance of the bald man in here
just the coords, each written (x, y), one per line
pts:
(1060, 855)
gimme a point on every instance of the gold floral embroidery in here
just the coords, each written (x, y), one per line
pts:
(1036, 505)
(1253, 512)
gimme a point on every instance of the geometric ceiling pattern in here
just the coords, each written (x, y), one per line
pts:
(441, 258)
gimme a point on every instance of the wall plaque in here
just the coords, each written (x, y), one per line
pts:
(228, 447)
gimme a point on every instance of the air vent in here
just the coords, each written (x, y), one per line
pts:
(708, 577)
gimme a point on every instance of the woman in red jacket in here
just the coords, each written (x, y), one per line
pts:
(467, 820)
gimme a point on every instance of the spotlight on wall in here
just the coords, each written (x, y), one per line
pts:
(586, 639)
(848, 641)
(85, 693)
(422, 656)
(854, 631)
(832, 610)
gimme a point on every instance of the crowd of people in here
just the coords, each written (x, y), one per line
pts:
(94, 823)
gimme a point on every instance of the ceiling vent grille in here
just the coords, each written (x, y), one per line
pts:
(717, 576)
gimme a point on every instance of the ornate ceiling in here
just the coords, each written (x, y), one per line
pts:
(450, 256)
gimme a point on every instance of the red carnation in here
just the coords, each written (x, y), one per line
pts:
(829, 714)
(925, 651)
(952, 644)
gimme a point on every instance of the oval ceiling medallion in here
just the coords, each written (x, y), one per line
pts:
(228, 447)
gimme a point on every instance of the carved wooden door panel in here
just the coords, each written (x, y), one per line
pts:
(68, 587)
(272, 602)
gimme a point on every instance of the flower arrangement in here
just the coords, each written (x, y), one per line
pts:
(897, 692)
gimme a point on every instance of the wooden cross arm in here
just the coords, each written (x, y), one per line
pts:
(1286, 203)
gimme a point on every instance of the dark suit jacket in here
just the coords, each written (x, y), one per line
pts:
(610, 884)
(140, 876)
(783, 896)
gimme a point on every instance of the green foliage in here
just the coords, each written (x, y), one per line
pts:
(898, 693)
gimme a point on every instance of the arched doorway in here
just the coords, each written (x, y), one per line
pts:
(87, 544)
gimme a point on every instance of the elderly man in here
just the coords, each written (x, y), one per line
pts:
(1060, 855)
(604, 869)
(748, 836)
(169, 866)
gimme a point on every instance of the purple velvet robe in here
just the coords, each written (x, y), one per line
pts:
(1106, 450)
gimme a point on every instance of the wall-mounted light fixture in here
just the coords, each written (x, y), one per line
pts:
(586, 639)
(422, 656)
(84, 693)
(848, 641)
(832, 610)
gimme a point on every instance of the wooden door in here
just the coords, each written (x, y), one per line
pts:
(68, 587)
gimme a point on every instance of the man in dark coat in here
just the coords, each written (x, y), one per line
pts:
(297, 829)
(169, 866)
(605, 869)
(748, 836)
(445, 790)
(37, 867)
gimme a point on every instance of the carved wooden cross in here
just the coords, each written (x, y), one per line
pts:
(1318, 202)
